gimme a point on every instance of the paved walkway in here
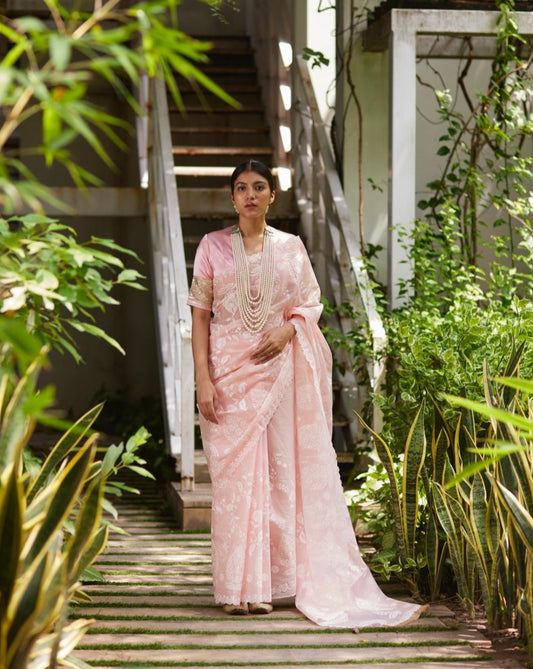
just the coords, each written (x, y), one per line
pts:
(155, 609)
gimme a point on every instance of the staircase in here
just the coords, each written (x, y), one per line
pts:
(211, 138)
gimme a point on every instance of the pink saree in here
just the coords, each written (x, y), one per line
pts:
(280, 525)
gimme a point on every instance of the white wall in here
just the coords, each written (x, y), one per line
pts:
(370, 73)
(321, 37)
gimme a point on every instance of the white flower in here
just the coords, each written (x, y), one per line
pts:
(16, 299)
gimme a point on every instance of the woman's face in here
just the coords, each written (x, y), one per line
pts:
(251, 195)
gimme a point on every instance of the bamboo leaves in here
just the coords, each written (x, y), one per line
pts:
(47, 71)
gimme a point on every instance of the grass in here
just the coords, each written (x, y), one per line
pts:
(163, 663)
(170, 593)
(319, 630)
(127, 605)
(196, 646)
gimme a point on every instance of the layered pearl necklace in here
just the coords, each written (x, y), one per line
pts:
(254, 309)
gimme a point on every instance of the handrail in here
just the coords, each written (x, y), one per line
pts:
(327, 224)
(170, 285)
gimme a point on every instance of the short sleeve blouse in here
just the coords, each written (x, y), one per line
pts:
(201, 292)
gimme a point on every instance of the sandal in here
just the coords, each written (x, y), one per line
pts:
(260, 608)
(236, 609)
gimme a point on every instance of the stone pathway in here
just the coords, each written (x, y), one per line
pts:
(155, 609)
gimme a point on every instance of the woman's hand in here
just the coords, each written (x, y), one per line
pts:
(273, 342)
(206, 397)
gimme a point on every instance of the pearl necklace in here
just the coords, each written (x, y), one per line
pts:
(254, 309)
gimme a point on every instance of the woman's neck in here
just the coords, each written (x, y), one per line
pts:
(252, 228)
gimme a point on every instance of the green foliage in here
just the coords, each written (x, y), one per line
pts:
(469, 299)
(404, 495)
(493, 490)
(51, 525)
(487, 174)
(373, 513)
(434, 349)
(53, 283)
(48, 69)
(316, 58)
(467, 311)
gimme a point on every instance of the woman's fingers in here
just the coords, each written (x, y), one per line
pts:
(208, 411)
(207, 401)
(271, 345)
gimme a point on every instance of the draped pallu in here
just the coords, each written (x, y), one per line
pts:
(280, 525)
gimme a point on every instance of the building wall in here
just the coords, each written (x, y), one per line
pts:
(370, 74)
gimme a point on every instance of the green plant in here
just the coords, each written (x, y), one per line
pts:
(405, 502)
(372, 514)
(469, 297)
(51, 526)
(498, 475)
(53, 283)
(47, 70)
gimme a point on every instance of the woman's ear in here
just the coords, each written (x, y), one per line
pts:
(272, 196)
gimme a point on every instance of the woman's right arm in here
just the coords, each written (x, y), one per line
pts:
(206, 395)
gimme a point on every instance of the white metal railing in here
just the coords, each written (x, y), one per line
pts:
(170, 281)
(329, 229)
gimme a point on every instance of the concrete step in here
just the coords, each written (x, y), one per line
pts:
(223, 117)
(235, 137)
(246, 95)
(156, 608)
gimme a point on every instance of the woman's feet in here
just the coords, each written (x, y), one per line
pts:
(260, 608)
(242, 609)
(236, 609)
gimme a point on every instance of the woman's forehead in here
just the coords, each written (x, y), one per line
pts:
(253, 177)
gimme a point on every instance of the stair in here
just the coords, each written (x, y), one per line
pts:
(155, 608)
(211, 138)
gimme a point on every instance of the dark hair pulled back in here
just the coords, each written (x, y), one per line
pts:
(253, 166)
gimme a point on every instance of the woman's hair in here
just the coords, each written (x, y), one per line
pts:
(253, 166)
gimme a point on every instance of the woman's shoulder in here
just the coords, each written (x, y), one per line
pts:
(287, 239)
(217, 238)
(219, 235)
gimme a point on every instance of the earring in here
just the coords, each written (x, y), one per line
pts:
(236, 210)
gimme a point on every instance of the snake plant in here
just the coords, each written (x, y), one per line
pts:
(51, 527)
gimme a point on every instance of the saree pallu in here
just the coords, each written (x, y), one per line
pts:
(280, 524)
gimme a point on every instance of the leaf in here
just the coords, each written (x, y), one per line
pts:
(87, 523)
(414, 453)
(493, 412)
(386, 458)
(64, 446)
(97, 332)
(60, 50)
(522, 519)
(11, 513)
(25, 608)
(142, 471)
(30, 24)
(64, 491)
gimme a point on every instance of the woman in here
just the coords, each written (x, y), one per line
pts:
(280, 525)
